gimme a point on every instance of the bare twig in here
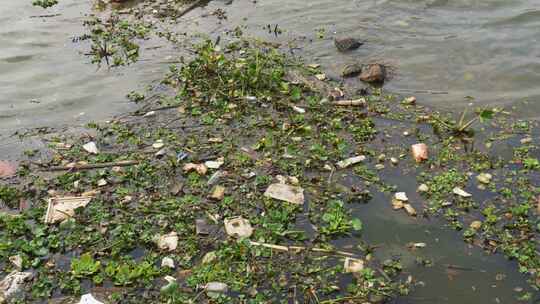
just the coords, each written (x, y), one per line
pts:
(46, 16)
(296, 249)
(93, 166)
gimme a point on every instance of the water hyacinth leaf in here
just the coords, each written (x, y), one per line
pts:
(85, 265)
(45, 3)
(296, 93)
(486, 114)
(357, 224)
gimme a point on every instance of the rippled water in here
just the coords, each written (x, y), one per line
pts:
(44, 77)
(486, 49)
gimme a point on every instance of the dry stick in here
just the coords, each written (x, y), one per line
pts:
(46, 16)
(424, 91)
(93, 166)
(140, 112)
(354, 102)
(300, 248)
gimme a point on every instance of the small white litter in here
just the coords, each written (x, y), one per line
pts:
(200, 168)
(238, 227)
(287, 193)
(461, 192)
(167, 262)
(352, 265)
(396, 205)
(401, 196)
(13, 283)
(91, 148)
(211, 164)
(89, 299)
(102, 182)
(216, 287)
(61, 208)
(158, 144)
(423, 188)
(168, 241)
(298, 109)
(350, 161)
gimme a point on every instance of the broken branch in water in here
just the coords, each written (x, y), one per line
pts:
(46, 16)
(296, 249)
(93, 166)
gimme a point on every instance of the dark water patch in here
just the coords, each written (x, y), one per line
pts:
(17, 59)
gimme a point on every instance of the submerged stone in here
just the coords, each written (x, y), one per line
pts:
(374, 73)
(344, 44)
(351, 70)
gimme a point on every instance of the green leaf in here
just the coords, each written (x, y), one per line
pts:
(327, 217)
(486, 114)
(296, 93)
(45, 3)
(84, 266)
(357, 224)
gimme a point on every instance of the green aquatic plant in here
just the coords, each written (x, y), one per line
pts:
(45, 3)
(463, 126)
(337, 221)
(114, 40)
(531, 164)
(9, 196)
(84, 266)
(214, 77)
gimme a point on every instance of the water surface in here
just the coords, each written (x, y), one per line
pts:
(443, 52)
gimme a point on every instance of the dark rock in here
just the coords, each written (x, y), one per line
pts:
(347, 44)
(374, 73)
(351, 70)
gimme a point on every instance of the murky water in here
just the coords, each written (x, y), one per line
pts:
(45, 80)
(457, 272)
(485, 49)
